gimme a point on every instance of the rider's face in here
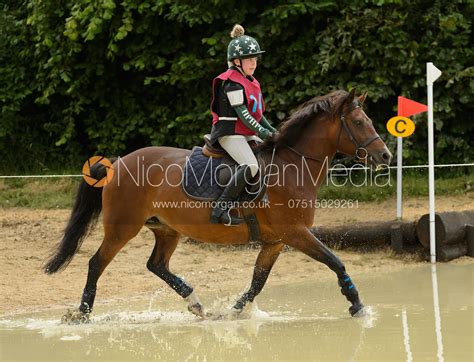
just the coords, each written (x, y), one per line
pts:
(248, 65)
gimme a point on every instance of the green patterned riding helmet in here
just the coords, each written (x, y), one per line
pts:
(242, 46)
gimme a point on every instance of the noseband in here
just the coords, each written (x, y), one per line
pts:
(359, 147)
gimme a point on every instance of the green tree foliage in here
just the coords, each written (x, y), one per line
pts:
(79, 77)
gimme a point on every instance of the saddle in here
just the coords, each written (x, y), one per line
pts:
(208, 170)
(210, 150)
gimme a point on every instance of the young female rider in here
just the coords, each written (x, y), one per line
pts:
(237, 109)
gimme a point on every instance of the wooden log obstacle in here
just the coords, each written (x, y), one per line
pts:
(453, 234)
(365, 234)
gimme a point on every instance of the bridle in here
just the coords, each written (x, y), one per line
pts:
(359, 147)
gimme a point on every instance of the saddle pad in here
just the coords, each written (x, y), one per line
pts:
(199, 176)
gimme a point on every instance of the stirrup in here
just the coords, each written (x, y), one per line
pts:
(222, 216)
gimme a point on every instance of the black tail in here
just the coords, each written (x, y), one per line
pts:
(85, 212)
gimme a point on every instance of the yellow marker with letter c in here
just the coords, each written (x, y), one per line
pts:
(400, 126)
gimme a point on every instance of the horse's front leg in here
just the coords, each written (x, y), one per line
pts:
(265, 260)
(303, 240)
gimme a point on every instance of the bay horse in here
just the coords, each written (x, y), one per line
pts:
(314, 133)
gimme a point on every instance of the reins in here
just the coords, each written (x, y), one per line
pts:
(300, 154)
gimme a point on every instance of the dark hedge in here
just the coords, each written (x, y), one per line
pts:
(81, 77)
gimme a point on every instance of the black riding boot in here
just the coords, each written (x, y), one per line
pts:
(235, 187)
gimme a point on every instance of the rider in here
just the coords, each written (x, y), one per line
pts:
(237, 109)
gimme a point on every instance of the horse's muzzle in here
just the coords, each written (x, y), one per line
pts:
(382, 157)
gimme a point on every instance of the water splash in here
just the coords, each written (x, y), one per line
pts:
(370, 317)
(70, 338)
(154, 297)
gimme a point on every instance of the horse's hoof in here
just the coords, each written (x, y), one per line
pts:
(214, 316)
(75, 316)
(197, 309)
(357, 310)
(236, 311)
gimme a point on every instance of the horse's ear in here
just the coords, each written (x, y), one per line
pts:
(351, 96)
(362, 98)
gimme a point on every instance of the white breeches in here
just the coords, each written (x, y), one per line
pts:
(238, 148)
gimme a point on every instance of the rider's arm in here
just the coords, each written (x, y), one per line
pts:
(235, 94)
(264, 122)
(251, 123)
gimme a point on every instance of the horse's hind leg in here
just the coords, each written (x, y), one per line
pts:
(305, 241)
(166, 241)
(116, 236)
(265, 260)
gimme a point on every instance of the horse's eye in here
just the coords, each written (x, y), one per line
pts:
(358, 122)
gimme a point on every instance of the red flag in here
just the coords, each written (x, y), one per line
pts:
(407, 107)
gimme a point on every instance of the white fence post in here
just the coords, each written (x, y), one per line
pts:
(432, 73)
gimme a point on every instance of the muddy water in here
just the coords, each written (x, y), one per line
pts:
(293, 322)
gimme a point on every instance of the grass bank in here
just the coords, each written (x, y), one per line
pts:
(38, 193)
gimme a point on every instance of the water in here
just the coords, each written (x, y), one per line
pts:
(293, 322)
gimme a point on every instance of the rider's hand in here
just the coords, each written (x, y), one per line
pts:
(265, 134)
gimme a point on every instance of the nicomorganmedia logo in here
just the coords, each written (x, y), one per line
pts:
(86, 171)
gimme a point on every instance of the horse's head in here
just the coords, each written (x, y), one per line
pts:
(357, 135)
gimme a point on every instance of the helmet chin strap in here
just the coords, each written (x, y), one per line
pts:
(241, 69)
